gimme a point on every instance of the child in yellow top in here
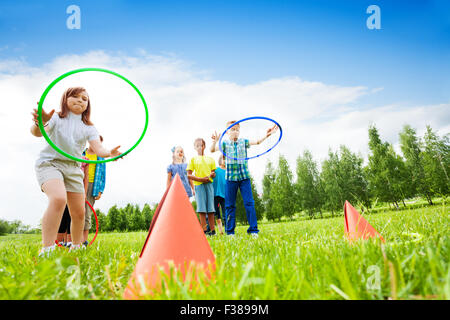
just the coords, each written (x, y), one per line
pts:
(92, 194)
(204, 168)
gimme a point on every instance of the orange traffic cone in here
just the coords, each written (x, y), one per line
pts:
(356, 226)
(176, 239)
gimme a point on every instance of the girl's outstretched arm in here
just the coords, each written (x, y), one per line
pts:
(99, 150)
(35, 131)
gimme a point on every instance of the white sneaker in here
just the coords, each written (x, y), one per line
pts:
(254, 235)
(75, 247)
(46, 251)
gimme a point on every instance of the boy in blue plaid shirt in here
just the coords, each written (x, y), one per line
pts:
(237, 176)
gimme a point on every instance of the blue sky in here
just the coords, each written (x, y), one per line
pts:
(248, 41)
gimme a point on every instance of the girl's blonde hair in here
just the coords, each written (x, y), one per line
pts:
(73, 92)
(174, 156)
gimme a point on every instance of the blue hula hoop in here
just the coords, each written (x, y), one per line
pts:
(245, 119)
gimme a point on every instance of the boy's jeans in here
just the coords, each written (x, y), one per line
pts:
(230, 205)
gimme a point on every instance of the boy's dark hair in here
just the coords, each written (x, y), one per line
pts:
(200, 139)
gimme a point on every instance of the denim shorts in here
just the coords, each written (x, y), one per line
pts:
(204, 196)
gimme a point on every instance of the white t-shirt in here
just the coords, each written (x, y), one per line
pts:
(69, 134)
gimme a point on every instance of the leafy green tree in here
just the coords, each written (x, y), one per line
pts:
(5, 227)
(309, 189)
(343, 178)
(102, 220)
(376, 172)
(123, 218)
(135, 221)
(268, 181)
(332, 180)
(399, 175)
(410, 146)
(282, 191)
(437, 162)
(127, 217)
(147, 216)
(387, 173)
(354, 183)
(113, 219)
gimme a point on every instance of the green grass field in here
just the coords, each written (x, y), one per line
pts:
(305, 259)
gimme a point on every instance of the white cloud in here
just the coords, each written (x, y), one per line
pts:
(183, 104)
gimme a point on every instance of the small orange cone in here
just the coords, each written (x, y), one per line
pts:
(356, 226)
(175, 238)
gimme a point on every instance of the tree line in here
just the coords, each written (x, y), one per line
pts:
(422, 170)
(16, 227)
(128, 218)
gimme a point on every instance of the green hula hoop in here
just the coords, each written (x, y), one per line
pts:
(41, 124)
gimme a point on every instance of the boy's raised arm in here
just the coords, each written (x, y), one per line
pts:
(215, 138)
(270, 131)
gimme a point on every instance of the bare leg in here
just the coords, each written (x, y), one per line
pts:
(202, 220)
(212, 225)
(60, 237)
(75, 202)
(219, 223)
(56, 193)
(87, 210)
(85, 235)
